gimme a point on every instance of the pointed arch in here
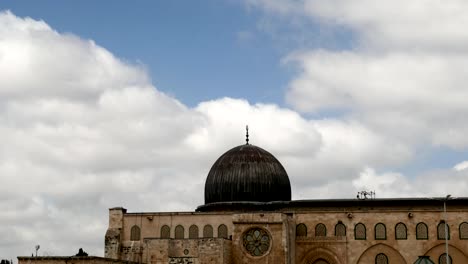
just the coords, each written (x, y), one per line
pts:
(165, 231)
(360, 231)
(340, 229)
(321, 261)
(319, 255)
(443, 259)
(301, 230)
(401, 231)
(208, 231)
(135, 233)
(380, 231)
(441, 231)
(179, 232)
(463, 230)
(193, 231)
(421, 231)
(457, 254)
(369, 255)
(320, 230)
(222, 231)
(381, 258)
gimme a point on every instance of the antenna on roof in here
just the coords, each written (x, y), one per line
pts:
(247, 135)
(365, 195)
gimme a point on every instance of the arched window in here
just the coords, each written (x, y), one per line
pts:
(360, 231)
(463, 229)
(441, 231)
(301, 230)
(193, 231)
(165, 231)
(208, 231)
(381, 259)
(320, 230)
(340, 229)
(135, 233)
(179, 232)
(222, 231)
(443, 259)
(421, 231)
(380, 232)
(400, 231)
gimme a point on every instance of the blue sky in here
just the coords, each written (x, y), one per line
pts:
(194, 50)
(348, 95)
(196, 53)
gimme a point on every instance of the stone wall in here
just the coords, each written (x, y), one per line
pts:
(275, 224)
(188, 251)
(285, 247)
(349, 250)
(151, 223)
(114, 234)
(70, 260)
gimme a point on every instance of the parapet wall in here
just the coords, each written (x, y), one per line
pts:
(71, 260)
(193, 251)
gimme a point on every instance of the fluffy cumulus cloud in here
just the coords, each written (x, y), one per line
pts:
(404, 76)
(415, 25)
(76, 123)
(398, 85)
(84, 131)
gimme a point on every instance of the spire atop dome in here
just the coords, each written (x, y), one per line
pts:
(247, 134)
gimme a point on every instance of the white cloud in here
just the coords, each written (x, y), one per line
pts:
(314, 152)
(81, 126)
(402, 80)
(85, 131)
(386, 185)
(414, 97)
(405, 76)
(407, 25)
(270, 126)
(442, 182)
(461, 166)
(399, 24)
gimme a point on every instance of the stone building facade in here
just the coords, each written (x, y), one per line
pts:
(301, 232)
(71, 260)
(248, 217)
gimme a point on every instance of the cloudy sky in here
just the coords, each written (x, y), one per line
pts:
(129, 104)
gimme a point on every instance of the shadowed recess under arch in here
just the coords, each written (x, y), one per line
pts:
(319, 255)
(393, 256)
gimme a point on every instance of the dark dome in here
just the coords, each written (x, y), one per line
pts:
(247, 173)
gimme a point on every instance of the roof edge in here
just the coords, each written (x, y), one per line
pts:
(331, 203)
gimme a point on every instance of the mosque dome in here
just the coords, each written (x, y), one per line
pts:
(247, 173)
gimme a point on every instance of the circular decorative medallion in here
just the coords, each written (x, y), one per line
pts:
(256, 241)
